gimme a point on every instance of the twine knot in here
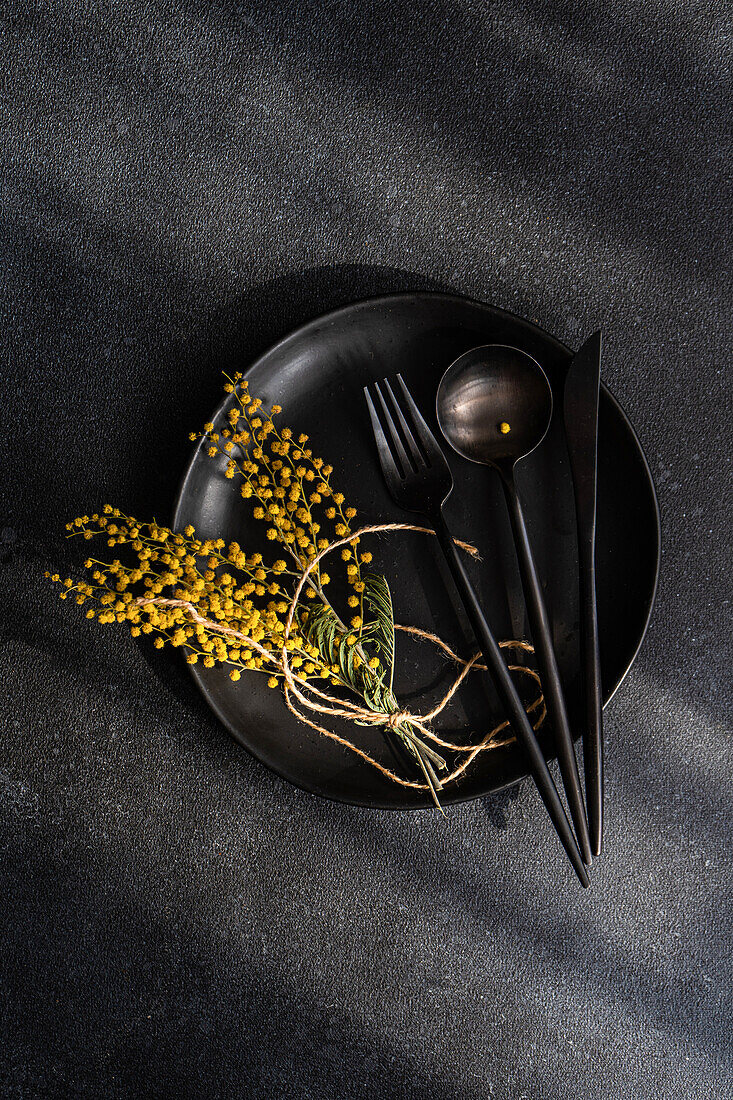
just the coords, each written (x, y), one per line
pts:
(399, 716)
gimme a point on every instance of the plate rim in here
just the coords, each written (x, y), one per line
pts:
(384, 300)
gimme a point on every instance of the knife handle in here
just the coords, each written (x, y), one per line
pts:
(590, 663)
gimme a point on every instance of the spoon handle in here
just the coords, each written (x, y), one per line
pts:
(539, 625)
(510, 698)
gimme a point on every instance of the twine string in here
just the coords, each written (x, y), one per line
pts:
(302, 695)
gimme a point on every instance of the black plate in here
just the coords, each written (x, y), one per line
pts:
(317, 374)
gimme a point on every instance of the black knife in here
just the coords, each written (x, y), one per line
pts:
(582, 387)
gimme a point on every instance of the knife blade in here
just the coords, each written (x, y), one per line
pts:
(580, 409)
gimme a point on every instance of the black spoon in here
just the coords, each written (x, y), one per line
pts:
(494, 405)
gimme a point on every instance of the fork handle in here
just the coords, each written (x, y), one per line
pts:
(510, 698)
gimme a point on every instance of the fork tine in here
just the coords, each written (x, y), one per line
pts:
(389, 466)
(424, 434)
(418, 457)
(395, 435)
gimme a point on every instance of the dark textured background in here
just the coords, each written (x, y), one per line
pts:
(182, 183)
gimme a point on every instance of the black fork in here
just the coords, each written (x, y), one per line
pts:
(419, 480)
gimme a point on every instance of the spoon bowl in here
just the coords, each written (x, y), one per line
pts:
(494, 404)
